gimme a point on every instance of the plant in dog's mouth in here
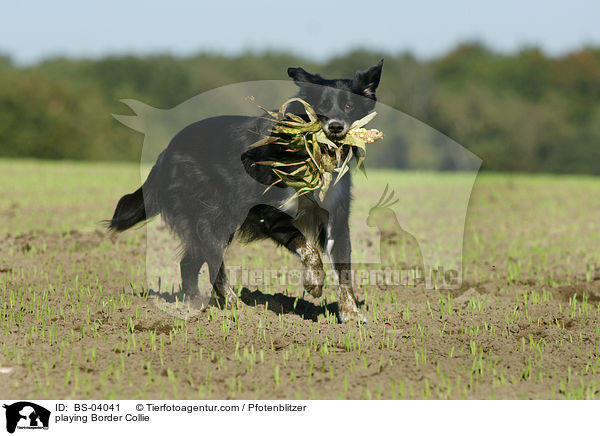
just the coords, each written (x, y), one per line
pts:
(310, 158)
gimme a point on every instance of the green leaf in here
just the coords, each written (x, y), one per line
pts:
(281, 164)
(323, 139)
(316, 149)
(325, 186)
(344, 168)
(364, 120)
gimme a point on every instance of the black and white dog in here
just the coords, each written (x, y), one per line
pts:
(207, 186)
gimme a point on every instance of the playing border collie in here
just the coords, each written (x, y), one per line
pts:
(210, 182)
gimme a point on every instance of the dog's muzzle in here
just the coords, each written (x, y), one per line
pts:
(336, 129)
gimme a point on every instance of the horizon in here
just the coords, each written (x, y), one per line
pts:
(276, 52)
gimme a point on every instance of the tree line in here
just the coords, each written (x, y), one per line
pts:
(520, 112)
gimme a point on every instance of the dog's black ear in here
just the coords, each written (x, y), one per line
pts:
(367, 81)
(300, 75)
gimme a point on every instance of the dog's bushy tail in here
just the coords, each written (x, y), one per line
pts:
(137, 206)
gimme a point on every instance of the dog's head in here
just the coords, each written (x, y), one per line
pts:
(339, 102)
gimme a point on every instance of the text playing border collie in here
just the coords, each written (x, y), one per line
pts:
(207, 186)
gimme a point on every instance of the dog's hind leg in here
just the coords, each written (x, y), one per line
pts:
(202, 243)
(223, 290)
(190, 268)
(192, 259)
(215, 253)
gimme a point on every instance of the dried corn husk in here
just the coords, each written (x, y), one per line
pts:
(326, 158)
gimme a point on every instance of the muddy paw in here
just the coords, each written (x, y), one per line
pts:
(227, 300)
(194, 298)
(352, 316)
(348, 312)
(198, 302)
(313, 282)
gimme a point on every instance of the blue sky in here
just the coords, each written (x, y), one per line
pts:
(30, 31)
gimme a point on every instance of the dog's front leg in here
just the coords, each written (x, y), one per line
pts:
(280, 227)
(339, 250)
(313, 274)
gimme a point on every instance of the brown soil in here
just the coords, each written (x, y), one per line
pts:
(79, 321)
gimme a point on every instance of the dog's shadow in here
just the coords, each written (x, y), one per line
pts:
(166, 296)
(284, 304)
(277, 303)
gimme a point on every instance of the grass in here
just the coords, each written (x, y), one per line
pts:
(78, 320)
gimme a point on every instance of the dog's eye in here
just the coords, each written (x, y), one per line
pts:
(348, 107)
